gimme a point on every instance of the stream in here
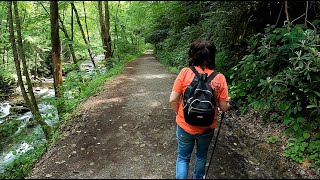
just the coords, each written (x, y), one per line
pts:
(15, 109)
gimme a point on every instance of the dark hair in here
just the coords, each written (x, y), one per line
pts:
(202, 53)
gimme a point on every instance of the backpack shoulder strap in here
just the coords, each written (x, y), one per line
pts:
(212, 75)
(195, 71)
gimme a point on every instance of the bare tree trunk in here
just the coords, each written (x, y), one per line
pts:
(29, 103)
(64, 30)
(286, 10)
(103, 29)
(71, 24)
(22, 56)
(116, 29)
(2, 9)
(16, 58)
(107, 23)
(5, 48)
(46, 128)
(82, 32)
(56, 49)
(35, 66)
(305, 19)
(85, 21)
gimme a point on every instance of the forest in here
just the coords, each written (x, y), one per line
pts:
(56, 54)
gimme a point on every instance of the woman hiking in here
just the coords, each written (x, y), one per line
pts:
(202, 58)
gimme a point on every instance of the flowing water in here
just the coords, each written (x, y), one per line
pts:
(49, 113)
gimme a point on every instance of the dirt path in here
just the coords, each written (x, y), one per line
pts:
(128, 131)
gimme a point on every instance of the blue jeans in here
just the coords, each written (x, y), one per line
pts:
(186, 143)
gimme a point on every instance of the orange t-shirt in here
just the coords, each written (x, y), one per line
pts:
(181, 83)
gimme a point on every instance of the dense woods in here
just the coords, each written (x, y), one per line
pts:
(268, 51)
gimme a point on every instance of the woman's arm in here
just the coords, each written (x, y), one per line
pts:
(175, 99)
(224, 105)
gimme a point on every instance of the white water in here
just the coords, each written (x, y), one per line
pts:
(4, 110)
(47, 111)
(49, 114)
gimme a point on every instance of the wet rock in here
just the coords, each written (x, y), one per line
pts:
(19, 109)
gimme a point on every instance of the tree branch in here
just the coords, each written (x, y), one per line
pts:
(311, 25)
(44, 8)
(286, 10)
(305, 20)
(298, 17)
(279, 14)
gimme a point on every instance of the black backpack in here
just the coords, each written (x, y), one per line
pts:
(199, 101)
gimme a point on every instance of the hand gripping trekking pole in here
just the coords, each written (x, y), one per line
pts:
(214, 146)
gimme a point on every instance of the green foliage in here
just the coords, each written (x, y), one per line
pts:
(21, 166)
(299, 150)
(281, 75)
(273, 139)
(274, 70)
(8, 128)
(7, 81)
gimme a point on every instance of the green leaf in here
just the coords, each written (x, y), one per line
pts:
(317, 93)
(287, 120)
(300, 119)
(313, 156)
(315, 22)
(283, 106)
(306, 135)
(311, 106)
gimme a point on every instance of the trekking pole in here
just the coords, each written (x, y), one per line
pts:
(214, 146)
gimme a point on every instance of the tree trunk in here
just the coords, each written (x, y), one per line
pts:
(64, 30)
(5, 48)
(116, 30)
(56, 49)
(35, 66)
(107, 24)
(85, 21)
(286, 10)
(2, 9)
(103, 29)
(32, 105)
(71, 24)
(16, 58)
(82, 32)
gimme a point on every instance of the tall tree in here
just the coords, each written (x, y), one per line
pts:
(64, 30)
(70, 44)
(55, 43)
(16, 57)
(107, 24)
(32, 105)
(71, 23)
(116, 26)
(103, 29)
(85, 21)
(5, 47)
(82, 32)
